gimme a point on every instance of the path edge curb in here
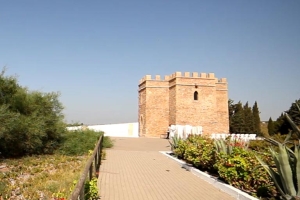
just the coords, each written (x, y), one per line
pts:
(232, 191)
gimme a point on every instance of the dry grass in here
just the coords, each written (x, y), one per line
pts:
(39, 177)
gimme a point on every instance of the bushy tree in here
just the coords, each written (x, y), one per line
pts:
(294, 113)
(281, 125)
(31, 121)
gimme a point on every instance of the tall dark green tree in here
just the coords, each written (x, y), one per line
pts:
(248, 119)
(237, 123)
(271, 128)
(294, 113)
(282, 126)
(231, 107)
(256, 119)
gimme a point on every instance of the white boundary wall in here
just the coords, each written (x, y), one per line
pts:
(114, 130)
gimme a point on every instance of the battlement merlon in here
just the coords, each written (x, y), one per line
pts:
(156, 78)
(222, 80)
(185, 75)
(192, 75)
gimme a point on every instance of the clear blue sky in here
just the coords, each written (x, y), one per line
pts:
(95, 52)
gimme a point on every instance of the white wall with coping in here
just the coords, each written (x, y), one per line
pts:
(113, 130)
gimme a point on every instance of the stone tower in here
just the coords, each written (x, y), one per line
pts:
(188, 99)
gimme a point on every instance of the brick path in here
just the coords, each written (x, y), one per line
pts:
(135, 170)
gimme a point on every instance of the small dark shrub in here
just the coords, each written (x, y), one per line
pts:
(199, 151)
(107, 142)
(78, 142)
(241, 170)
(259, 145)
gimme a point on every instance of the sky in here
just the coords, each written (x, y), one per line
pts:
(95, 52)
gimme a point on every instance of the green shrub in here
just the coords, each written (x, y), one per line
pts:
(91, 190)
(259, 145)
(78, 142)
(240, 169)
(238, 166)
(31, 121)
(200, 152)
(180, 149)
(107, 142)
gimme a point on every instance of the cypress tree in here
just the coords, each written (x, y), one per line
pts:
(256, 119)
(248, 119)
(237, 123)
(271, 128)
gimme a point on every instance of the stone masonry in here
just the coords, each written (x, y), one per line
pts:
(183, 99)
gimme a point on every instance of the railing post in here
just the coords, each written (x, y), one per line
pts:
(81, 195)
(100, 154)
(78, 193)
(97, 157)
(91, 172)
(96, 165)
(100, 150)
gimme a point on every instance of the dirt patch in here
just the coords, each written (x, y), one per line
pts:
(4, 168)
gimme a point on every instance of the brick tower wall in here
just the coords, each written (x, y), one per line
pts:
(142, 109)
(201, 112)
(222, 106)
(156, 114)
(171, 101)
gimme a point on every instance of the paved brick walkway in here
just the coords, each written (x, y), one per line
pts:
(135, 170)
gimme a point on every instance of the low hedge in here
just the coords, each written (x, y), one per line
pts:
(239, 168)
(78, 142)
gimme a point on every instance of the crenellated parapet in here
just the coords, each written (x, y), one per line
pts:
(222, 80)
(192, 75)
(155, 78)
(209, 76)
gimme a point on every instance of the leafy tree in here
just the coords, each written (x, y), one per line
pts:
(31, 121)
(256, 119)
(271, 128)
(282, 126)
(8, 88)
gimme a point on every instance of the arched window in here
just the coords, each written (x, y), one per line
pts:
(195, 95)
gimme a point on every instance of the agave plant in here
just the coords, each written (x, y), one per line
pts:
(223, 147)
(286, 176)
(226, 147)
(174, 142)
